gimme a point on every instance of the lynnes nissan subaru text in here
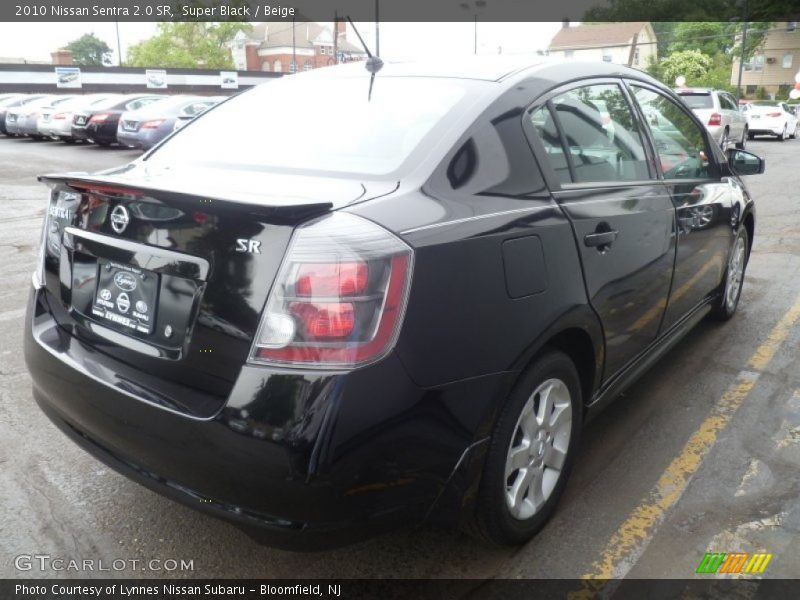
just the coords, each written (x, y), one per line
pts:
(323, 320)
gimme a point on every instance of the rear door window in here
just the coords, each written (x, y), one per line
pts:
(601, 139)
(699, 100)
(545, 126)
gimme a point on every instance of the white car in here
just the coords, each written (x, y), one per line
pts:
(719, 112)
(58, 122)
(770, 117)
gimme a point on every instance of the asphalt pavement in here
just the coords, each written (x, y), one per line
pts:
(700, 455)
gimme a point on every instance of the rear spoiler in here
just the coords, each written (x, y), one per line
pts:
(288, 208)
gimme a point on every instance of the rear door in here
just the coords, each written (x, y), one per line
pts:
(604, 178)
(732, 116)
(702, 200)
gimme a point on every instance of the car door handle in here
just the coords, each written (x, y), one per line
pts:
(602, 238)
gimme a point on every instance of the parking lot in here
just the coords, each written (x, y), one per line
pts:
(701, 455)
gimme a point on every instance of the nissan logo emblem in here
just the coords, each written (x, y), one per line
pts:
(119, 218)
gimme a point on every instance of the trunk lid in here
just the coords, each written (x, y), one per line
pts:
(167, 270)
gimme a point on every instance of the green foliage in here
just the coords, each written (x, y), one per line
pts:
(90, 50)
(691, 10)
(762, 93)
(187, 44)
(692, 64)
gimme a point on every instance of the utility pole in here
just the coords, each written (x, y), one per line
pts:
(293, 68)
(476, 33)
(336, 37)
(377, 28)
(119, 46)
(742, 55)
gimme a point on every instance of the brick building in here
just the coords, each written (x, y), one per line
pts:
(271, 46)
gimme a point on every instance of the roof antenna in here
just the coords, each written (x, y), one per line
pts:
(373, 64)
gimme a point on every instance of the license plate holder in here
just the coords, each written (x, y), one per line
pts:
(126, 296)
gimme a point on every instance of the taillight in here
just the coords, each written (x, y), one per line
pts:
(339, 297)
(99, 117)
(774, 114)
(60, 116)
(715, 119)
(152, 124)
(61, 208)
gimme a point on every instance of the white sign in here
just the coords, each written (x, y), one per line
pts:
(156, 79)
(229, 80)
(68, 77)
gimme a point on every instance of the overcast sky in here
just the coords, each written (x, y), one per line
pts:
(35, 41)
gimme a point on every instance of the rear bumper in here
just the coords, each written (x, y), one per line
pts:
(299, 460)
(129, 138)
(105, 132)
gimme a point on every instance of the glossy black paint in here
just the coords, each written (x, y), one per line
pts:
(315, 458)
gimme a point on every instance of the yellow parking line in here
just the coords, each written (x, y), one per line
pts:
(767, 350)
(632, 537)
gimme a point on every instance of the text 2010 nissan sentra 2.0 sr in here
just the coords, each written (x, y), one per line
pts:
(323, 319)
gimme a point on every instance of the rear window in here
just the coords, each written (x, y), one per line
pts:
(697, 100)
(299, 123)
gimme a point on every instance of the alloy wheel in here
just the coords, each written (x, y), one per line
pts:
(735, 274)
(538, 449)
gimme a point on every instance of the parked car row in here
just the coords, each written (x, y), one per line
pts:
(135, 120)
(729, 123)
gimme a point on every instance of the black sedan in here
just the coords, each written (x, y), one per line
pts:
(99, 123)
(342, 302)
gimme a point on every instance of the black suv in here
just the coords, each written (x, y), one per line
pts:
(338, 302)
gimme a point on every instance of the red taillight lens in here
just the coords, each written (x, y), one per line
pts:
(339, 297)
(60, 116)
(774, 114)
(152, 124)
(99, 117)
(331, 279)
(325, 321)
(715, 119)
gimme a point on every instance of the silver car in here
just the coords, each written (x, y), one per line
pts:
(58, 123)
(17, 117)
(719, 112)
(28, 120)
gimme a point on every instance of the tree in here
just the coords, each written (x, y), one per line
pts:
(692, 64)
(90, 50)
(187, 44)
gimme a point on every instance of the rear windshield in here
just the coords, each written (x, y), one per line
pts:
(697, 100)
(302, 123)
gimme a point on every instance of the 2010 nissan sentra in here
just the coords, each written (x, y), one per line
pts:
(344, 301)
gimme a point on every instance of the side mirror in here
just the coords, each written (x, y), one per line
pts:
(746, 163)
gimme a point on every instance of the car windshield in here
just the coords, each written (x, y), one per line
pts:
(301, 123)
(697, 100)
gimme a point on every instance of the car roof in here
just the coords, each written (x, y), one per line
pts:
(485, 68)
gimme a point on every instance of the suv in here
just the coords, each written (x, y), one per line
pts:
(719, 112)
(410, 318)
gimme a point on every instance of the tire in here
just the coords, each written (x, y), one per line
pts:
(745, 136)
(549, 387)
(782, 135)
(751, 136)
(104, 144)
(731, 289)
(67, 140)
